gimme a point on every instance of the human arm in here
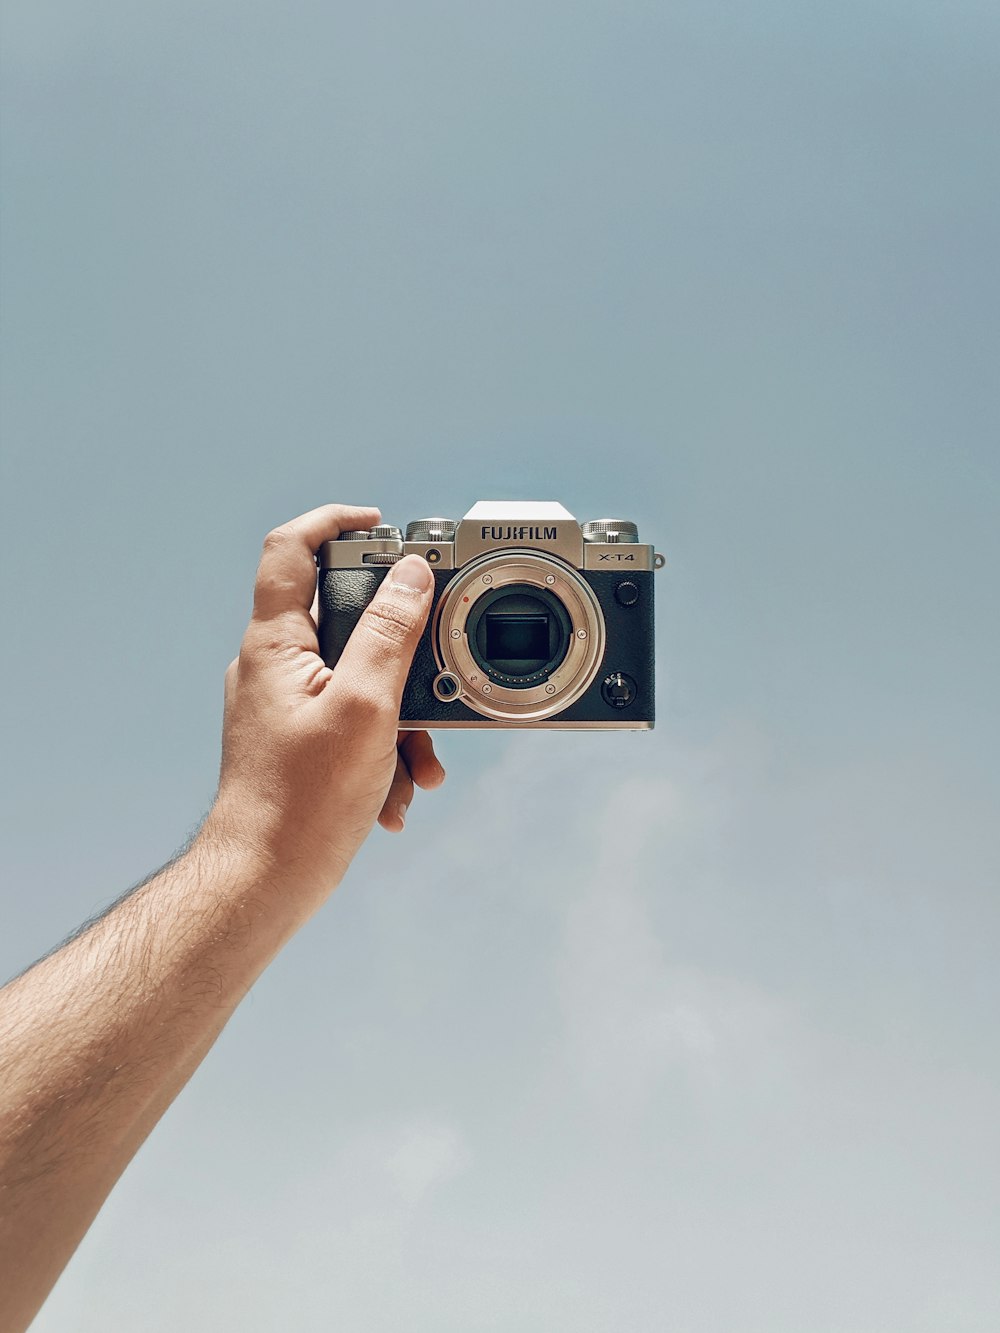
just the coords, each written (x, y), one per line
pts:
(99, 1037)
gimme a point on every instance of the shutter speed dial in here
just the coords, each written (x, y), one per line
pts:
(431, 530)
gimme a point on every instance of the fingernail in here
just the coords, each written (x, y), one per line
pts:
(401, 808)
(413, 571)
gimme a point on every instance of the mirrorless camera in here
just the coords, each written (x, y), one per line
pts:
(536, 620)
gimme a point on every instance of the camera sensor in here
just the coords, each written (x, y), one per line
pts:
(519, 634)
(522, 639)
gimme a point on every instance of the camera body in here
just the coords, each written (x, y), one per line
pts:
(536, 621)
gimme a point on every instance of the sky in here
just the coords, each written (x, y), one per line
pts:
(691, 1031)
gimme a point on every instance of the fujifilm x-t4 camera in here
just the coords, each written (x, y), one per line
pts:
(536, 619)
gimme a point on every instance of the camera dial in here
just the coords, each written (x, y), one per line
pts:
(385, 543)
(610, 530)
(431, 530)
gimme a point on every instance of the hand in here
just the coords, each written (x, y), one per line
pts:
(311, 757)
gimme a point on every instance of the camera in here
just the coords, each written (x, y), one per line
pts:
(537, 620)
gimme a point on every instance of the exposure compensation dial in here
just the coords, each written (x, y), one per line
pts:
(610, 530)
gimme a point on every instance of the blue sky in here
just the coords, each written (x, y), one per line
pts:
(707, 1041)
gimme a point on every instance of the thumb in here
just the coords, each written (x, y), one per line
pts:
(376, 659)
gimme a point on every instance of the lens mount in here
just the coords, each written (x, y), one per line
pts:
(519, 618)
(560, 677)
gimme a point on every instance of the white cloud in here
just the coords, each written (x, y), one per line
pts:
(632, 1014)
(402, 1162)
(422, 1156)
(635, 841)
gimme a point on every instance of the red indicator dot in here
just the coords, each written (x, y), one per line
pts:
(465, 599)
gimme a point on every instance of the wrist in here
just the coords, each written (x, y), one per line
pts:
(260, 858)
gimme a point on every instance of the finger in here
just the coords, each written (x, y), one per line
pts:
(398, 798)
(286, 575)
(417, 750)
(373, 667)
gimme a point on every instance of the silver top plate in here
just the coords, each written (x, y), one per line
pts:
(492, 526)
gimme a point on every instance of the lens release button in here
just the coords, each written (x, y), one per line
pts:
(627, 593)
(618, 689)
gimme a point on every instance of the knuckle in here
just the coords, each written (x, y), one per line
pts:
(390, 620)
(272, 586)
(277, 538)
(253, 642)
(366, 703)
(258, 647)
(281, 572)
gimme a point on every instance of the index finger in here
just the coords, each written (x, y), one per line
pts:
(286, 575)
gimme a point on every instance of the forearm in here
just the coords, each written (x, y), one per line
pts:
(97, 1039)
